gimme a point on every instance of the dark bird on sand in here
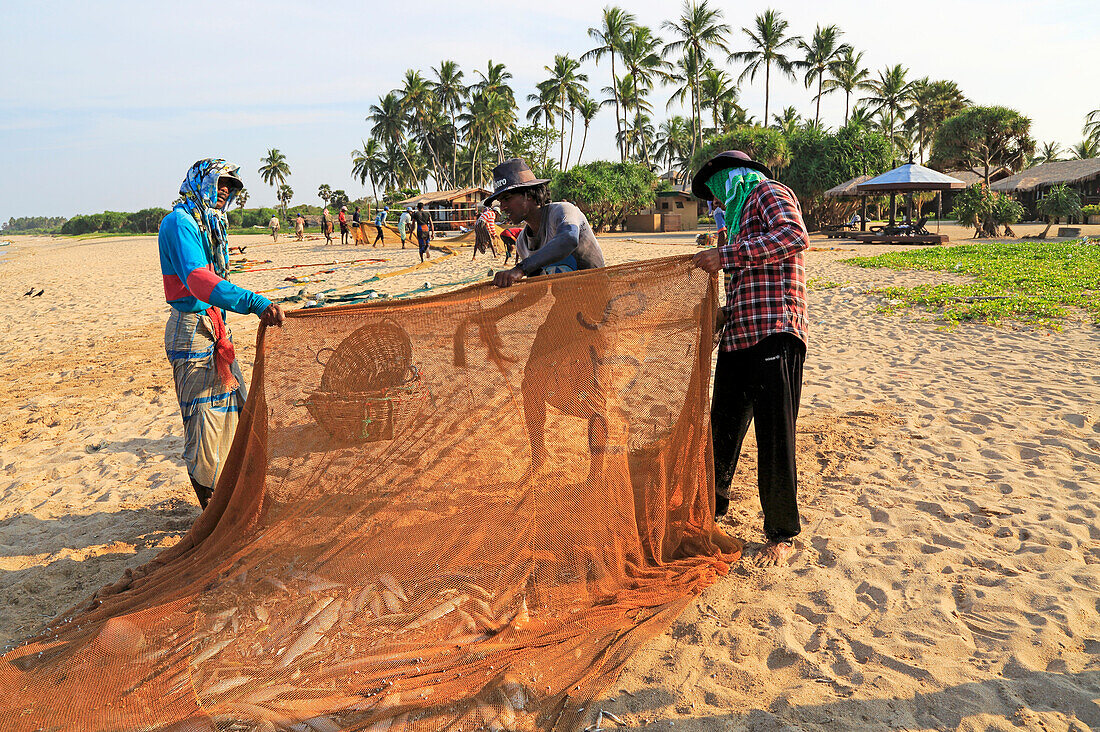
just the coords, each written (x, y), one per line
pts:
(28, 292)
(38, 294)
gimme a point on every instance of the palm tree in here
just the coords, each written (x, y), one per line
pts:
(451, 93)
(565, 83)
(644, 64)
(389, 124)
(1050, 152)
(849, 75)
(697, 30)
(324, 192)
(366, 163)
(823, 54)
(587, 108)
(545, 104)
(673, 143)
(284, 195)
(890, 95)
(1086, 149)
(862, 117)
(787, 122)
(418, 103)
(623, 92)
(242, 199)
(643, 134)
(274, 169)
(716, 87)
(610, 36)
(768, 41)
(498, 103)
(1092, 125)
(933, 103)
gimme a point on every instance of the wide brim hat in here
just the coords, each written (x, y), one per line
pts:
(722, 161)
(511, 175)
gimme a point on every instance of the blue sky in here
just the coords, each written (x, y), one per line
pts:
(106, 105)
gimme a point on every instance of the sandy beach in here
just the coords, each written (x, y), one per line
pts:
(949, 569)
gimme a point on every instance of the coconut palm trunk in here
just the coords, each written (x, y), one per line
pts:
(767, 89)
(615, 93)
(572, 126)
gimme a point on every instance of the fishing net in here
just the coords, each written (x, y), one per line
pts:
(459, 512)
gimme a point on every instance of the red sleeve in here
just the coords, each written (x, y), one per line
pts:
(201, 283)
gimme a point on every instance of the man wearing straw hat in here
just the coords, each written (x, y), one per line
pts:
(758, 374)
(194, 264)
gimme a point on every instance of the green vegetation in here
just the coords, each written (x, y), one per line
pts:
(985, 211)
(1030, 282)
(982, 139)
(1093, 209)
(821, 160)
(33, 225)
(145, 221)
(814, 284)
(1060, 201)
(605, 192)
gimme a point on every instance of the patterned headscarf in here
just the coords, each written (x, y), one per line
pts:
(200, 197)
(732, 186)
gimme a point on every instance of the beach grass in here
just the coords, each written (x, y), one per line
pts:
(1025, 281)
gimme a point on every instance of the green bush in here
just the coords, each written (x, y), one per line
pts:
(33, 225)
(821, 160)
(1093, 209)
(606, 192)
(763, 144)
(985, 211)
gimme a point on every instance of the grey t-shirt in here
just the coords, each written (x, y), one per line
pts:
(564, 242)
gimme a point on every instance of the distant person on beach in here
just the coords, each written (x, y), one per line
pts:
(343, 219)
(379, 221)
(194, 264)
(357, 223)
(422, 222)
(485, 230)
(403, 223)
(326, 225)
(300, 227)
(508, 238)
(758, 374)
(555, 237)
(274, 226)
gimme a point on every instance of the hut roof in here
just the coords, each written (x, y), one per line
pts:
(446, 196)
(1049, 174)
(969, 177)
(910, 177)
(847, 188)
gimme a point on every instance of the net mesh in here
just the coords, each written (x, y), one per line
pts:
(461, 512)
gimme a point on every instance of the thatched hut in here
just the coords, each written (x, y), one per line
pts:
(1029, 186)
(452, 209)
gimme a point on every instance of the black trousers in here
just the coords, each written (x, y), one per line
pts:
(761, 383)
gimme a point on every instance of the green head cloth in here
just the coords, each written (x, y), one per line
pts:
(732, 186)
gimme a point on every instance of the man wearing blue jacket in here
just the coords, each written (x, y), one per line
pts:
(194, 264)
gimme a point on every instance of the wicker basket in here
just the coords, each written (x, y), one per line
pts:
(366, 416)
(373, 358)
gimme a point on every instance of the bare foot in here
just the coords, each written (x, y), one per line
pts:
(775, 553)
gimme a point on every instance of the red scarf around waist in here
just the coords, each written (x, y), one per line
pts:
(224, 355)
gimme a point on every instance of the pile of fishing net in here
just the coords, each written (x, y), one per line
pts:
(459, 512)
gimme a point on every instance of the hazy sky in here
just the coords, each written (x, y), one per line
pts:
(106, 105)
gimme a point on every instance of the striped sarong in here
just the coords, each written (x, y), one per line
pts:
(209, 410)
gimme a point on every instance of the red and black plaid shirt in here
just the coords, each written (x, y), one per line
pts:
(765, 279)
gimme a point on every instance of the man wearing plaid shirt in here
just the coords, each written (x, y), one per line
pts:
(758, 374)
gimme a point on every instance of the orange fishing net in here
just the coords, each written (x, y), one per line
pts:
(461, 512)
